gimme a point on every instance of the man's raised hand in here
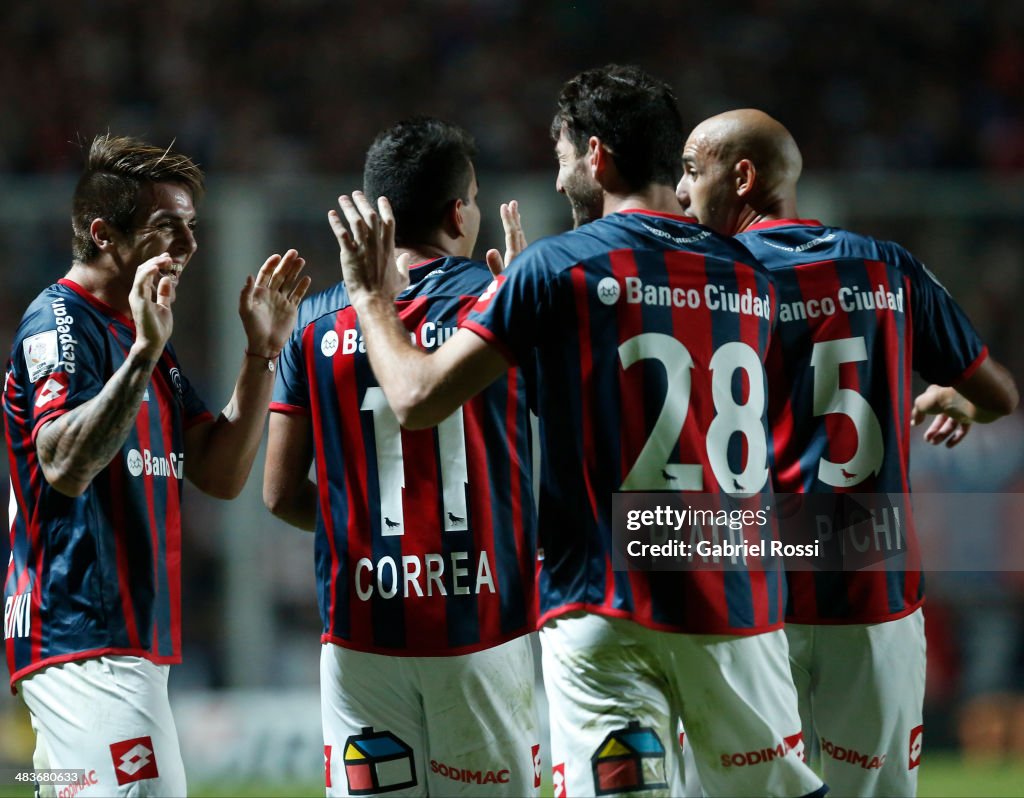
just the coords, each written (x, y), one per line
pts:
(269, 303)
(515, 239)
(366, 240)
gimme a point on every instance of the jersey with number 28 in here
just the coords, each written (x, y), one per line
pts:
(642, 337)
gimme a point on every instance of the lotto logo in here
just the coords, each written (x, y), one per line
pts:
(53, 391)
(134, 760)
(488, 295)
(916, 743)
(535, 750)
(327, 765)
(558, 780)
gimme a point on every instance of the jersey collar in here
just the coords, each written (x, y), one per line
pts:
(99, 304)
(678, 217)
(769, 223)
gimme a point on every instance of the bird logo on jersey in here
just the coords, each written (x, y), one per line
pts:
(609, 290)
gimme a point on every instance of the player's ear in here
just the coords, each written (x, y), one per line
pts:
(597, 157)
(746, 177)
(454, 221)
(102, 234)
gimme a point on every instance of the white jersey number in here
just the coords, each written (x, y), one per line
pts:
(826, 358)
(391, 466)
(652, 471)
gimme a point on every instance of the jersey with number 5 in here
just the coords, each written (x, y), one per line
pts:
(642, 337)
(425, 540)
(856, 317)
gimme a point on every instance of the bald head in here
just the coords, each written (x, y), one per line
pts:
(739, 166)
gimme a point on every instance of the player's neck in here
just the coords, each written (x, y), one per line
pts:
(658, 198)
(773, 209)
(103, 282)
(423, 252)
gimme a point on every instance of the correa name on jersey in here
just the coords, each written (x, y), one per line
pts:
(642, 337)
(856, 317)
(425, 540)
(117, 546)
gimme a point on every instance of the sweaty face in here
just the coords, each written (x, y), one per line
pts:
(164, 222)
(575, 181)
(705, 190)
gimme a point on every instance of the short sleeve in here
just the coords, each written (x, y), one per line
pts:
(291, 389)
(60, 357)
(947, 349)
(513, 313)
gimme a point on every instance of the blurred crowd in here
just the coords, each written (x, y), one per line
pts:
(265, 88)
(302, 85)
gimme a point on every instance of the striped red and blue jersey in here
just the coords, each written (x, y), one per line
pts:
(99, 573)
(642, 337)
(425, 539)
(857, 317)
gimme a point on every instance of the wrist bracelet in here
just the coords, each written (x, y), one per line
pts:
(271, 367)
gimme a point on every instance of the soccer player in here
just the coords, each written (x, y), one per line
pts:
(102, 427)
(425, 540)
(855, 316)
(622, 384)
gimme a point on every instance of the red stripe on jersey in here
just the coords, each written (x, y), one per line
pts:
(422, 511)
(516, 465)
(356, 481)
(634, 424)
(975, 364)
(488, 604)
(172, 520)
(309, 350)
(423, 533)
(142, 429)
(899, 376)
(579, 285)
(694, 327)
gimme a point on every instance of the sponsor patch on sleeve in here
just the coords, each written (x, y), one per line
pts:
(41, 354)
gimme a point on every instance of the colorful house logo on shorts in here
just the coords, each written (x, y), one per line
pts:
(377, 762)
(628, 760)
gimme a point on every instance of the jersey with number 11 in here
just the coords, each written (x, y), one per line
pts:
(425, 540)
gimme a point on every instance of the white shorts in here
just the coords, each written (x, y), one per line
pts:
(616, 691)
(461, 725)
(861, 689)
(110, 717)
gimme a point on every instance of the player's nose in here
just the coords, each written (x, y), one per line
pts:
(683, 194)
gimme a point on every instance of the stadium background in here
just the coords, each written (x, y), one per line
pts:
(910, 117)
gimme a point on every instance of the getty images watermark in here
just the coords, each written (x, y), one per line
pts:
(801, 532)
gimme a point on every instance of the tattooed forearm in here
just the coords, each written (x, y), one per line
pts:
(74, 448)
